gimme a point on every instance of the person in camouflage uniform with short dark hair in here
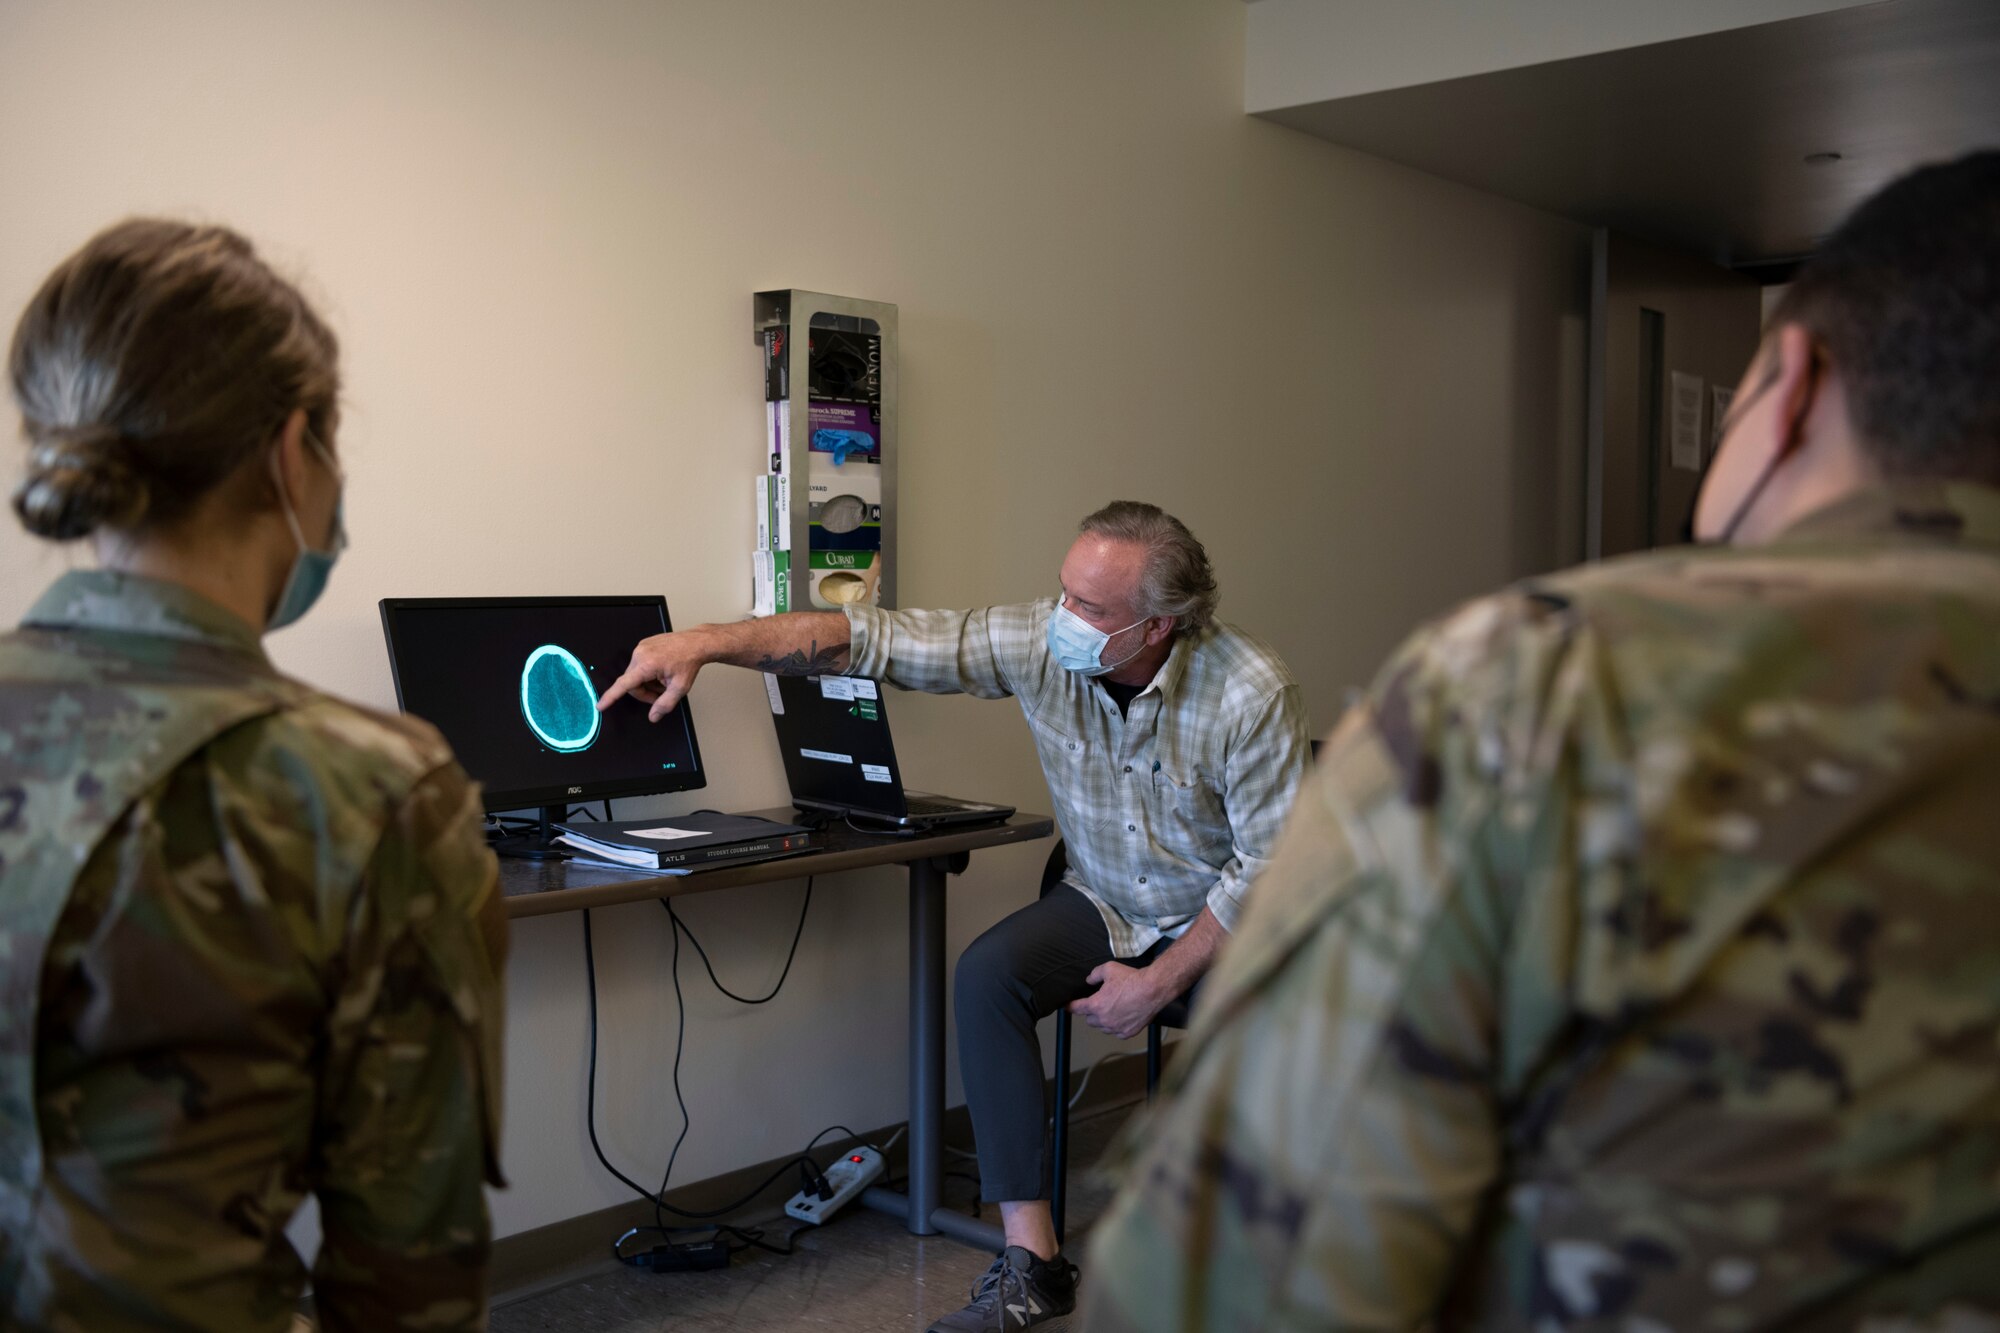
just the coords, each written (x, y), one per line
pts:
(249, 934)
(1632, 961)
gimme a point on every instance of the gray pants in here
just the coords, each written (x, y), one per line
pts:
(1026, 967)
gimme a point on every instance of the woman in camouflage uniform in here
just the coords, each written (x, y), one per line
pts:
(249, 933)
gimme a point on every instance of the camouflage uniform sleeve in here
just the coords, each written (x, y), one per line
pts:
(1332, 1128)
(409, 1125)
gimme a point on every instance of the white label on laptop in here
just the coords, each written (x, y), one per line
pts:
(827, 755)
(777, 699)
(864, 688)
(836, 687)
(875, 773)
(664, 833)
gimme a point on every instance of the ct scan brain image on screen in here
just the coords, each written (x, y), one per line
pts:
(514, 689)
(558, 699)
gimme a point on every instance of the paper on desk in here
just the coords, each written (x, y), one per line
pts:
(666, 833)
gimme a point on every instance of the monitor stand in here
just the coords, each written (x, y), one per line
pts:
(536, 846)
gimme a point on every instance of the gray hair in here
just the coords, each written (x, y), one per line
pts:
(1177, 580)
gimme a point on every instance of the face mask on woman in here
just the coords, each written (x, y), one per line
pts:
(312, 568)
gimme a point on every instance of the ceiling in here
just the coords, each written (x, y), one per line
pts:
(1701, 142)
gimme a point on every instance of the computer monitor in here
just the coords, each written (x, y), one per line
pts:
(512, 682)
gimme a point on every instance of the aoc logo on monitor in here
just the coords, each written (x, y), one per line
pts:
(557, 700)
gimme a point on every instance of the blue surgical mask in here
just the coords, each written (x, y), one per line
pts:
(312, 568)
(1077, 644)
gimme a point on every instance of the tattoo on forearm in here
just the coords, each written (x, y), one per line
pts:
(798, 663)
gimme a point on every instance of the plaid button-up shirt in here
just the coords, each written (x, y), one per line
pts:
(1166, 810)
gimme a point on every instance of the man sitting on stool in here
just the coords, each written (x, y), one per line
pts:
(1172, 745)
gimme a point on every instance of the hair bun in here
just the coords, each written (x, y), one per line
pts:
(150, 367)
(77, 483)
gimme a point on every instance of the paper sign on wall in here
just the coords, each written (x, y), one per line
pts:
(1684, 416)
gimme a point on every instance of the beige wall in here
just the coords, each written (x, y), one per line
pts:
(537, 228)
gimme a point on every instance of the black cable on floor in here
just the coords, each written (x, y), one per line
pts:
(657, 1197)
(752, 1238)
(660, 1205)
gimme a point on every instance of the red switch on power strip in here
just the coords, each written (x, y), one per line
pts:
(846, 1178)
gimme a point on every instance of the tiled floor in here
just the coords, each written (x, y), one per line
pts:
(860, 1273)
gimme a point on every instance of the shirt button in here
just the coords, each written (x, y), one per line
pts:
(1072, 745)
(1142, 879)
(1128, 768)
(1133, 828)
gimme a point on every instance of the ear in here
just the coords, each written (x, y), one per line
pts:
(1796, 377)
(1159, 629)
(288, 458)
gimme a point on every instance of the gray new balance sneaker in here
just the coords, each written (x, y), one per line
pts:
(1017, 1291)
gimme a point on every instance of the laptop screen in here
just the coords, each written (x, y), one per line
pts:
(834, 734)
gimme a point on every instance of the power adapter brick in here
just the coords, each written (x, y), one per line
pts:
(692, 1257)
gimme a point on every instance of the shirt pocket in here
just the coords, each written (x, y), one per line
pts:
(1186, 802)
(1066, 761)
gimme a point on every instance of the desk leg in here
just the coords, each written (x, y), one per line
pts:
(927, 885)
(922, 1208)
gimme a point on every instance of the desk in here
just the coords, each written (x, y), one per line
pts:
(539, 888)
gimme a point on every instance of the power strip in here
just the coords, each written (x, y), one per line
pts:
(844, 1179)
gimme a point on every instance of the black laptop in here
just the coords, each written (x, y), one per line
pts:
(834, 733)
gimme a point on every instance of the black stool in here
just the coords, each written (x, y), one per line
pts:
(1175, 1015)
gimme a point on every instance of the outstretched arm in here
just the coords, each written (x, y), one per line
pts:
(799, 643)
